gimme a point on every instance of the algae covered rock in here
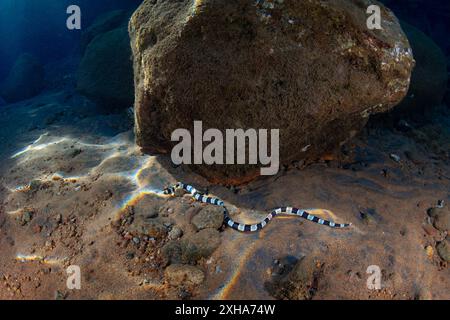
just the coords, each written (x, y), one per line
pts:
(309, 68)
(25, 80)
(106, 22)
(105, 74)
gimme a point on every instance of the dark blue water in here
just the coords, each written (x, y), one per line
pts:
(39, 27)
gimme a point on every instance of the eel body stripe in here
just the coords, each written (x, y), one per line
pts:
(251, 227)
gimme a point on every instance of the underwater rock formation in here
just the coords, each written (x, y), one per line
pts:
(106, 22)
(105, 74)
(429, 78)
(309, 68)
(25, 80)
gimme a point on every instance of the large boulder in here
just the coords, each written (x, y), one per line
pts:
(309, 68)
(105, 74)
(106, 22)
(25, 80)
(429, 78)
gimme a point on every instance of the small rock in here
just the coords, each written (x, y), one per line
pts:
(441, 219)
(136, 240)
(433, 212)
(443, 250)
(175, 233)
(35, 185)
(156, 230)
(178, 274)
(209, 217)
(179, 192)
(430, 252)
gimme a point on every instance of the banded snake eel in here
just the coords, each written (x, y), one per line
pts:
(251, 227)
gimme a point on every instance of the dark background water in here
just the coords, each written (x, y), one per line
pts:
(39, 27)
(432, 17)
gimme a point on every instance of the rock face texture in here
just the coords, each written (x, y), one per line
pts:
(309, 68)
(25, 80)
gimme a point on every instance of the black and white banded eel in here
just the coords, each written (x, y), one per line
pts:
(251, 227)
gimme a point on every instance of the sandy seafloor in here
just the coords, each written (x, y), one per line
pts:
(75, 172)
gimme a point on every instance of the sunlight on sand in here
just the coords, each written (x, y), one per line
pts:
(114, 149)
(235, 274)
(118, 158)
(41, 259)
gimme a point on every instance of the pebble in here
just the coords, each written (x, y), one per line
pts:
(442, 221)
(155, 229)
(443, 249)
(175, 233)
(136, 240)
(441, 218)
(429, 250)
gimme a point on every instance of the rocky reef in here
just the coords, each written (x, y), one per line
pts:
(309, 68)
(105, 74)
(25, 80)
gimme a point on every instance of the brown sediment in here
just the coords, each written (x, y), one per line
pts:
(100, 209)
